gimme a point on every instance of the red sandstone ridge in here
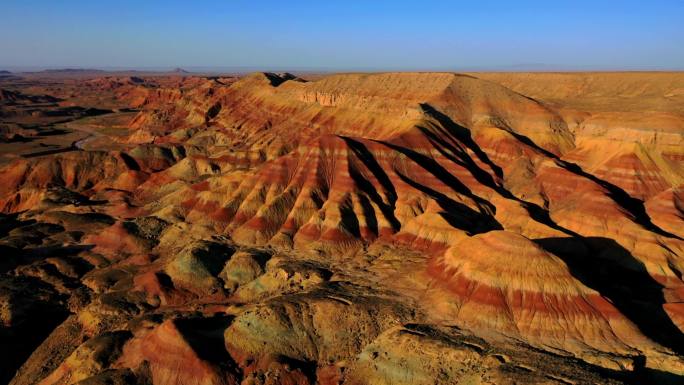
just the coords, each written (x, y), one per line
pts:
(359, 228)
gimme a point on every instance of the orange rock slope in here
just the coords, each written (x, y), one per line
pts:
(390, 228)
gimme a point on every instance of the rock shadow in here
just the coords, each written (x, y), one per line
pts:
(607, 267)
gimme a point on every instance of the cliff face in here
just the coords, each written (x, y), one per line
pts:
(361, 228)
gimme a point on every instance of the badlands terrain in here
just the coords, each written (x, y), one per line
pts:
(386, 228)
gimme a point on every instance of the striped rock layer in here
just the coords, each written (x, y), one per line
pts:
(543, 213)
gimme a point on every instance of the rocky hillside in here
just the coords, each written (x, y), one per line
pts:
(393, 228)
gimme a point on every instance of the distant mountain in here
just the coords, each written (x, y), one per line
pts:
(179, 70)
(71, 70)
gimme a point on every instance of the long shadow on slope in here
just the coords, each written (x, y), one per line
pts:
(482, 220)
(455, 213)
(349, 219)
(643, 375)
(633, 205)
(367, 158)
(455, 153)
(605, 266)
(36, 310)
(463, 135)
(71, 148)
(630, 204)
(535, 211)
(633, 291)
(431, 166)
(205, 336)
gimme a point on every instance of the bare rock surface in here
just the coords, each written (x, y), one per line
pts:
(390, 228)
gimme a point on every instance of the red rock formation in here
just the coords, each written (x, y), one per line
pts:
(359, 228)
(171, 358)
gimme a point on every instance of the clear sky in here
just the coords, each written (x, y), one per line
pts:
(339, 35)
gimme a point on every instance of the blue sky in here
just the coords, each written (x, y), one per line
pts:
(339, 35)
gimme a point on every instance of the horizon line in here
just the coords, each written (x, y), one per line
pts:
(532, 67)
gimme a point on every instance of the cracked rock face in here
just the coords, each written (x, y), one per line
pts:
(396, 228)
